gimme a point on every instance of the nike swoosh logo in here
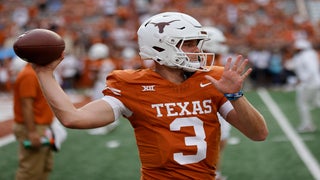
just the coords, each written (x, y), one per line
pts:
(204, 85)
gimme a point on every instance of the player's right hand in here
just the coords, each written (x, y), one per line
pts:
(49, 67)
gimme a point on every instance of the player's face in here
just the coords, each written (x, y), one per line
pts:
(191, 46)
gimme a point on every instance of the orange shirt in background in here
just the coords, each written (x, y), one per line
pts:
(27, 86)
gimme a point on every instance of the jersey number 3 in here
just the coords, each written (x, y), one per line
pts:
(197, 140)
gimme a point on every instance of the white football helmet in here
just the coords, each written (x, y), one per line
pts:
(98, 51)
(217, 41)
(159, 36)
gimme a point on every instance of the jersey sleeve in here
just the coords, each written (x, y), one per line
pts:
(118, 107)
(119, 92)
(225, 109)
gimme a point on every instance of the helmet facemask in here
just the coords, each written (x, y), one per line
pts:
(192, 61)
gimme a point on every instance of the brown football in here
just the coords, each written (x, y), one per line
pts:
(39, 46)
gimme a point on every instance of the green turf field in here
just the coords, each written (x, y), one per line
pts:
(85, 156)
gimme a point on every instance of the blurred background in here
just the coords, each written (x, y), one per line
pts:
(262, 30)
(100, 36)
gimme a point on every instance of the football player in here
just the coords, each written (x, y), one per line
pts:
(173, 107)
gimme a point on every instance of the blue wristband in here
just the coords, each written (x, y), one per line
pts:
(233, 96)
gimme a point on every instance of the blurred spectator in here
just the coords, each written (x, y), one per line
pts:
(69, 70)
(15, 66)
(109, 7)
(275, 68)
(131, 59)
(20, 16)
(259, 59)
(100, 65)
(306, 66)
(4, 76)
(122, 35)
(288, 67)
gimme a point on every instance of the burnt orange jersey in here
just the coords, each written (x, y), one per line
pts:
(176, 126)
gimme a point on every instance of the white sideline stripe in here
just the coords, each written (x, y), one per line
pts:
(7, 140)
(304, 153)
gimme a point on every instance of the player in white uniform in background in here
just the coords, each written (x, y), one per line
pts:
(100, 52)
(217, 45)
(306, 66)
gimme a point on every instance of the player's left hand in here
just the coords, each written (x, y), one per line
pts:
(233, 76)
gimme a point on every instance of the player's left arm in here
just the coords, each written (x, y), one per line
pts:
(244, 116)
(247, 119)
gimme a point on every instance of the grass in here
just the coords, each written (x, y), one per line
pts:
(91, 159)
(85, 156)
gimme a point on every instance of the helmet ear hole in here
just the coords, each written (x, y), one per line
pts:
(179, 60)
(145, 52)
(159, 49)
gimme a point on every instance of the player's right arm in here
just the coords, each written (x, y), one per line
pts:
(94, 114)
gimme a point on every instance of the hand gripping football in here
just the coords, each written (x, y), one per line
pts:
(39, 46)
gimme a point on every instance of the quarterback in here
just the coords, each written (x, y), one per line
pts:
(173, 107)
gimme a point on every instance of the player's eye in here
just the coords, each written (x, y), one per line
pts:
(191, 43)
